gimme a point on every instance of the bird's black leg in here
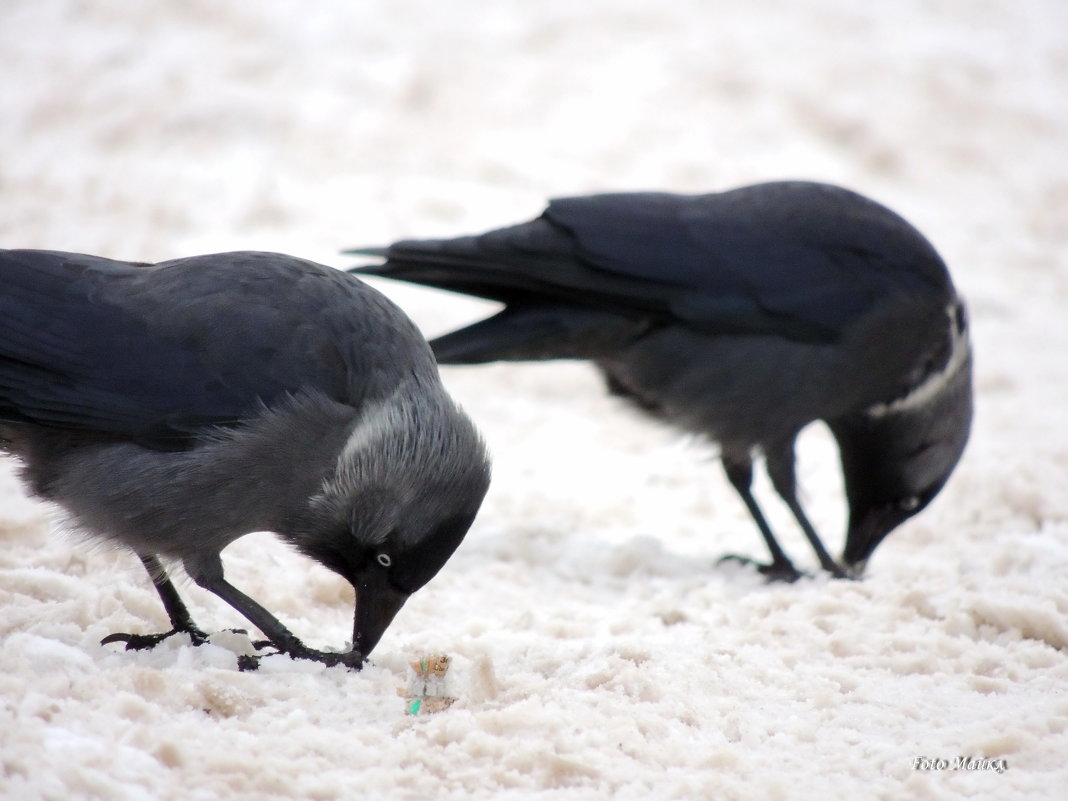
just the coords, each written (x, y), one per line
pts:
(208, 573)
(740, 474)
(780, 464)
(181, 622)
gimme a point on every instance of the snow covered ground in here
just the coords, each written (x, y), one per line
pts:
(598, 650)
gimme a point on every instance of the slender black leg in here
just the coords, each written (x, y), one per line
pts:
(780, 464)
(208, 573)
(172, 602)
(740, 474)
(181, 622)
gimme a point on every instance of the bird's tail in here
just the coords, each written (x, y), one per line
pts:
(552, 312)
(505, 264)
(531, 261)
(537, 333)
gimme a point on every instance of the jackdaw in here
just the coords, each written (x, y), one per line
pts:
(175, 407)
(742, 316)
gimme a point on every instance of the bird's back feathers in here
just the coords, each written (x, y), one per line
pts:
(796, 260)
(157, 352)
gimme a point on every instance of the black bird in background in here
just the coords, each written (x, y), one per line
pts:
(173, 408)
(743, 316)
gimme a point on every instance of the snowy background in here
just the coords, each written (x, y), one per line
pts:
(598, 650)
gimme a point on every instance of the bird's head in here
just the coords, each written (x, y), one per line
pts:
(404, 492)
(897, 456)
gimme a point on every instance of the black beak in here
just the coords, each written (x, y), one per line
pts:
(377, 603)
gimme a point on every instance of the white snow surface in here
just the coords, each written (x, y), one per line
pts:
(598, 649)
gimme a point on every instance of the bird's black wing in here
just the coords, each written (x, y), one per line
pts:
(795, 259)
(155, 353)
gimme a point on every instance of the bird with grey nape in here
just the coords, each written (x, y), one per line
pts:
(172, 408)
(744, 316)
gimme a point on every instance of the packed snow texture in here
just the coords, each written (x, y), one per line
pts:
(598, 650)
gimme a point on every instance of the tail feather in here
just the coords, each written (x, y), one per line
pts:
(537, 333)
(489, 281)
(376, 251)
(532, 261)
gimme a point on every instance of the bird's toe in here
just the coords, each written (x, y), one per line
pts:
(145, 642)
(839, 572)
(772, 572)
(350, 659)
(353, 660)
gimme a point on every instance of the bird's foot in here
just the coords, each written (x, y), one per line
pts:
(353, 660)
(145, 642)
(772, 572)
(839, 572)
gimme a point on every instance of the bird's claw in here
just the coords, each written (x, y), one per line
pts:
(245, 662)
(353, 660)
(249, 662)
(839, 572)
(772, 572)
(145, 642)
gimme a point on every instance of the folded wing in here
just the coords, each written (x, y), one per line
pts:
(156, 353)
(790, 259)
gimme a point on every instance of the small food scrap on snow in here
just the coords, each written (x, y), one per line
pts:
(427, 692)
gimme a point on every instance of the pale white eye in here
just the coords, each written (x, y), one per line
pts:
(384, 560)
